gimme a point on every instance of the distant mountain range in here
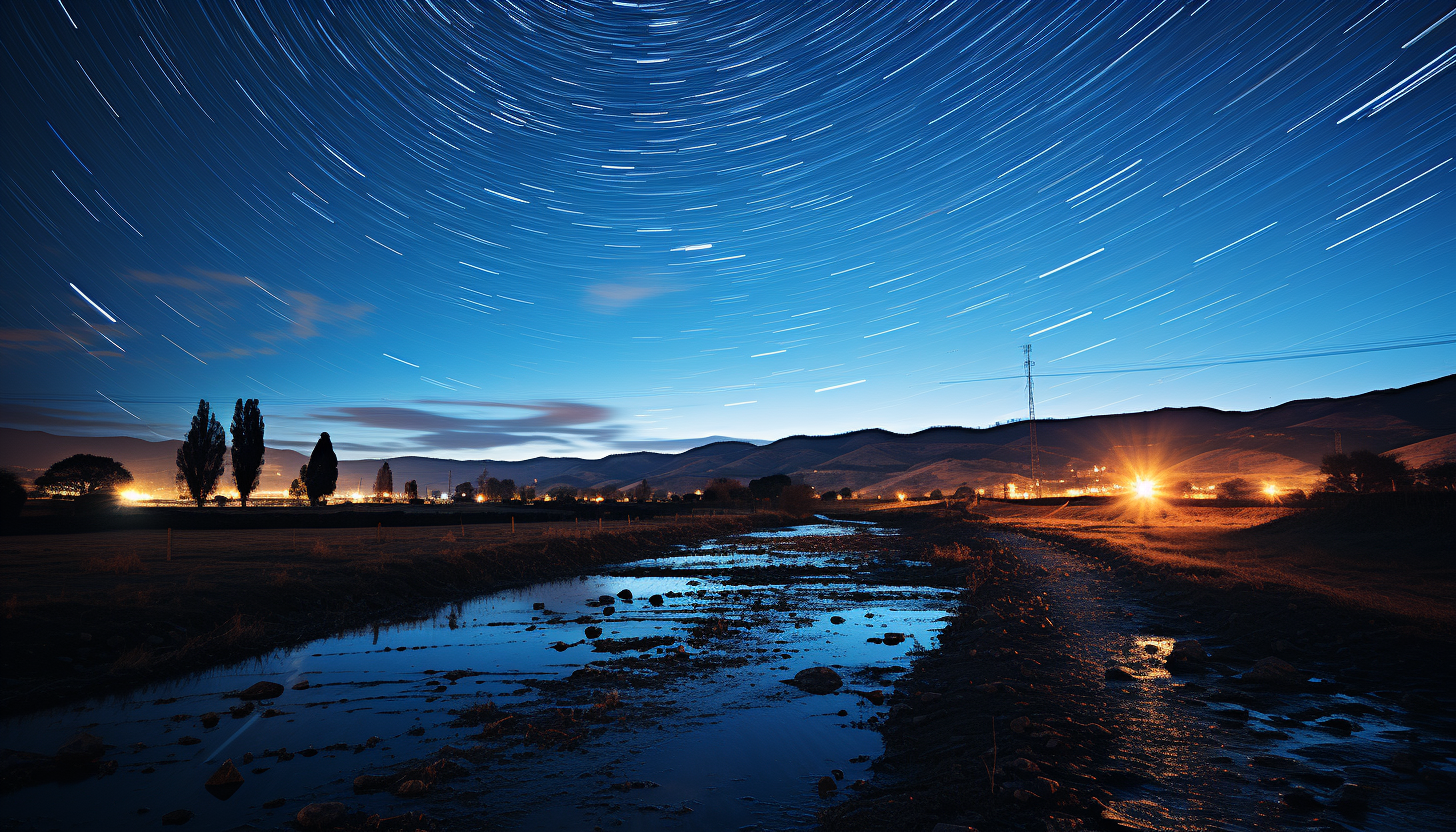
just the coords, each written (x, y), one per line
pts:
(1203, 445)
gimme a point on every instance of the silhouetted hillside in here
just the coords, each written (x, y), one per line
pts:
(1199, 444)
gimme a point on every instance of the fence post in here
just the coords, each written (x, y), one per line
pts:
(169, 543)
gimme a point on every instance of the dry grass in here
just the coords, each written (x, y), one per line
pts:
(128, 563)
(1393, 564)
(225, 595)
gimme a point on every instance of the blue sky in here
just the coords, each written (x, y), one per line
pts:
(513, 229)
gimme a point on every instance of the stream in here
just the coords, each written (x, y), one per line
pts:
(697, 730)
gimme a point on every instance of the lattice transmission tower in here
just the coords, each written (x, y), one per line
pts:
(1031, 418)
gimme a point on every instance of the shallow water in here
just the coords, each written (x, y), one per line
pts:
(724, 744)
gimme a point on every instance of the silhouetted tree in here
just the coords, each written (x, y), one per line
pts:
(723, 489)
(464, 492)
(83, 474)
(321, 475)
(1237, 488)
(797, 500)
(481, 479)
(965, 492)
(528, 493)
(1182, 488)
(199, 460)
(641, 492)
(562, 493)
(769, 487)
(610, 491)
(297, 490)
(829, 495)
(411, 490)
(845, 493)
(937, 495)
(1439, 475)
(1364, 471)
(12, 496)
(384, 480)
(247, 447)
(500, 490)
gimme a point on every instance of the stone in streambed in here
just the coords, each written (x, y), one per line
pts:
(176, 817)
(262, 690)
(224, 782)
(1353, 797)
(1275, 671)
(80, 749)
(827, 786)
(321, 815)
(655, 600)
(818, 680)
(593, 632)
(1189, 651)
(1120, 673)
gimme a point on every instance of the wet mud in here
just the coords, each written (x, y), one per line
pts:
(1081, 693)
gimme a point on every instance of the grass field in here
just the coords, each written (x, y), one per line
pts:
(98, 612)
(1387, 557)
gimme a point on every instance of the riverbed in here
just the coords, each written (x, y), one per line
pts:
(694, 730)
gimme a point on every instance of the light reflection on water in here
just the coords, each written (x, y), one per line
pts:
(740, 749)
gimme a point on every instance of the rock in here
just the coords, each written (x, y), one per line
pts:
(262, 690)
(838, 775)
(1338, 726)
(370, 783)
(247, 757)
(836, 619)
(301, 685)
(593, 632)
(655, 600)
(876, 697)
(625, 595)
(1275, 671)
(225, 781)
(411, 788)
(1120, 673)
(818, 680)
(274, 803)
(208, 720)
(1023, 766)
(188, 741)
(1020, 724)
(1282, 647)
(827, 785)
(176, 817)
(81, 748)
(539, 605)
(1187, 651)
(608, 610)
(894, 638)
(321, 815)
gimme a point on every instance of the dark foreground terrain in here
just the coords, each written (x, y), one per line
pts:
(1018, 678)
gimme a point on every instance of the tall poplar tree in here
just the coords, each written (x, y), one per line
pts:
(247, 448)
(199, 460)
(321, 476)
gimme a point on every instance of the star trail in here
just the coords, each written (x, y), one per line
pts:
(530, 227)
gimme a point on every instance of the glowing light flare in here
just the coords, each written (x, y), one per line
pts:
(134, 496)
(1145, 488)
(1272, 490)
(900, 496)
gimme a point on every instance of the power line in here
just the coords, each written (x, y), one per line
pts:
(1248, 358)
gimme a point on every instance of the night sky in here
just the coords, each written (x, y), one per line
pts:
(504, 229)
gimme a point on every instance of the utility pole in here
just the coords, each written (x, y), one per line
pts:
(1031, 417)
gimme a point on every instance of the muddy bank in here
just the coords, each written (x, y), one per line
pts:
(1085, 690)
(145, 625)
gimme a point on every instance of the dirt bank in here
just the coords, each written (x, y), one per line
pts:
(100, 613)
(1052, 703)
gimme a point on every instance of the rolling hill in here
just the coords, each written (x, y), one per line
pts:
(1200, 444)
